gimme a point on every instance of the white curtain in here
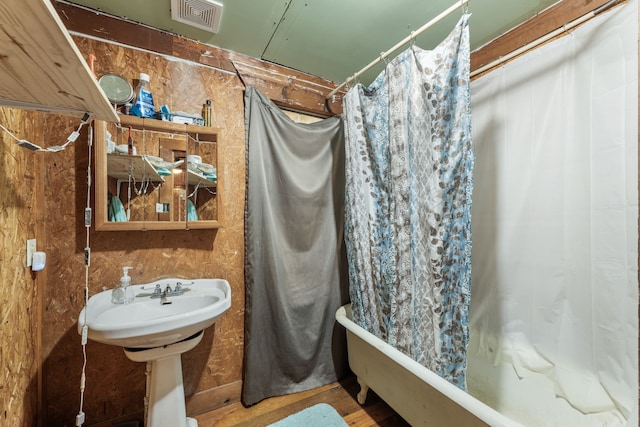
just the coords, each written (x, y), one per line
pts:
(555, 215)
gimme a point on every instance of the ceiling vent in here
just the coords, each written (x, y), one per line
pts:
(203, 14)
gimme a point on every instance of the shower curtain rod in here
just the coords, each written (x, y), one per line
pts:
(545, 38)
(404, 41)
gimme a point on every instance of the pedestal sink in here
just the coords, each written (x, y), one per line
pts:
(165, 319)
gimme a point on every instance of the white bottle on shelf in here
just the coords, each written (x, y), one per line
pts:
(143, 103)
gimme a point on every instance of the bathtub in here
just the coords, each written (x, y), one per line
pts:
(420, 396)
(501, 391)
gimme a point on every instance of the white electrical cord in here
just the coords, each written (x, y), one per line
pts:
(80, 418)
(129, 193)
(54, 148)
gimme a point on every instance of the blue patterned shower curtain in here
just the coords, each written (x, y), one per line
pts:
(409, 180)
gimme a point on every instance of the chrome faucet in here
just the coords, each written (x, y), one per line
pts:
(158, 292)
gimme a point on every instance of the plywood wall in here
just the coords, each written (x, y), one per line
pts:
(19, 307)
(44, 195)
(115, 386)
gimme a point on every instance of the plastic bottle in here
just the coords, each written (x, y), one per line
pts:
(117, 295)
(143, 103)
(125, 282)
(206, 112)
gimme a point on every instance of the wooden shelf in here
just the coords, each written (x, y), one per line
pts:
(120, 166)
(41, 66)
(196, 179)
(204, 133)
(158, 225)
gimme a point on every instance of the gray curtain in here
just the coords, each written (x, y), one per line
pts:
(295, 268)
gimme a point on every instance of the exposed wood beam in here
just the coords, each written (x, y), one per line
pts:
(543, 23)
(288, 88)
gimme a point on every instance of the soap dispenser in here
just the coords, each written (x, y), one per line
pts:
(125, 282)
(124, 293)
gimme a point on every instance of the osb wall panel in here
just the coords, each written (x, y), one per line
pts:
(115, 386)
(20, 181)
(286, 87)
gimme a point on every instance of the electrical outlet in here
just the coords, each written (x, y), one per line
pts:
(31, 248)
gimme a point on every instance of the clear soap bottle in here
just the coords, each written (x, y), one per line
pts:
(125, 284)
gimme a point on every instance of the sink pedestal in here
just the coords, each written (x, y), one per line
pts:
(165, 387)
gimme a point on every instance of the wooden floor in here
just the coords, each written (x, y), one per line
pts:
(340, 395)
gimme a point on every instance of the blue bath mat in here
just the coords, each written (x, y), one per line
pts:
(320, 415)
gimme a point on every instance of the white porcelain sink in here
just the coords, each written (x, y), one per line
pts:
(153, 322)
(157, 331)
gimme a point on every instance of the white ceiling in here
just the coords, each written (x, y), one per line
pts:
(331, 39)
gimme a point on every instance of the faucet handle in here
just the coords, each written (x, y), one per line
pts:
(157, 291)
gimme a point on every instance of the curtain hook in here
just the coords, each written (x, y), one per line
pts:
(352, 81)
(384, 58)
(465, 7)
(412, 35)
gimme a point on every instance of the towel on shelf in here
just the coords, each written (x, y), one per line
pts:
(192, 214)
(116, 210)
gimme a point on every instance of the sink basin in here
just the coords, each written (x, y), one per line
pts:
(154, 322)
(157, 331)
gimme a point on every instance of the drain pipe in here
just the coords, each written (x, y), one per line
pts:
(147, 373)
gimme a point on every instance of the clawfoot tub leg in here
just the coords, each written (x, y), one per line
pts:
(362, 394)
